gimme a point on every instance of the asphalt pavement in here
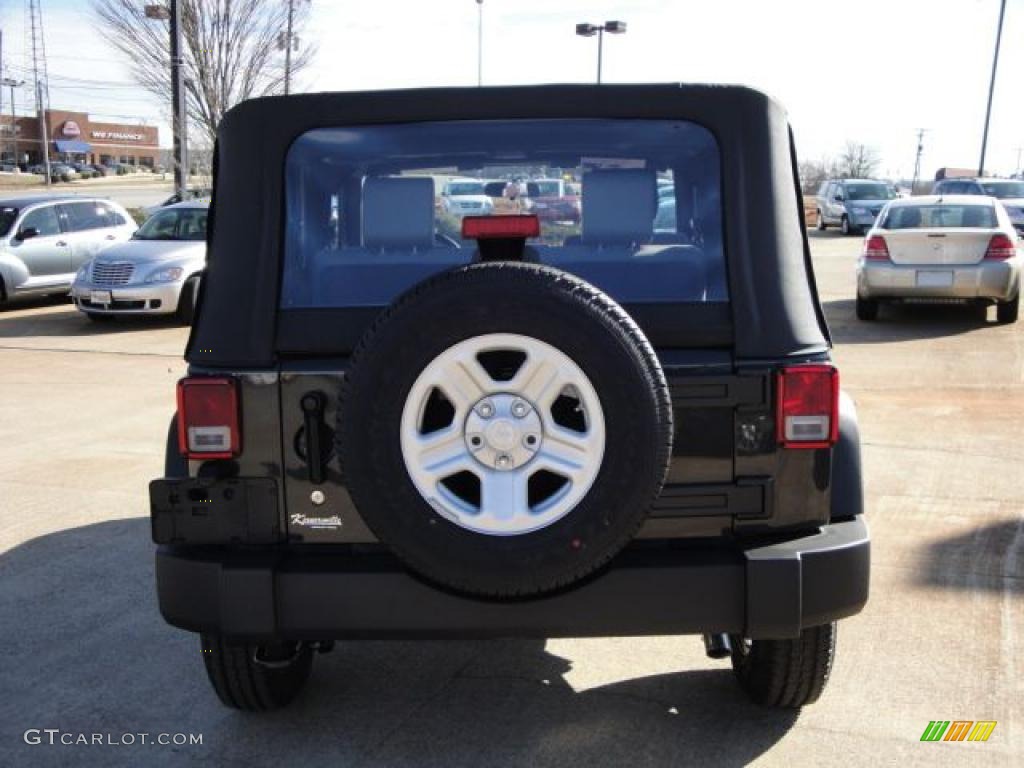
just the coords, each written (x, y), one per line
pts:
(83, 414)
(129, 192)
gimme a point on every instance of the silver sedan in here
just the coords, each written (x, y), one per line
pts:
(951, 248)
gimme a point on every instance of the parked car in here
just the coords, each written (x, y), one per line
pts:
(941, 248)
(9, 168)
(83, 170)
(1010, 192)
(45, 240)
(202, 194)
(852, 204)
(58, 171)
(463, 197)
(388, 434)
(156, 272)
(552, 200)
(100, 170)
(64, 172)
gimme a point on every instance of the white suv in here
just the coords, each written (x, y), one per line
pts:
(45, 240)
(466, 197)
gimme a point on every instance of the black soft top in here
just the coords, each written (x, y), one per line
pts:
(773, 301)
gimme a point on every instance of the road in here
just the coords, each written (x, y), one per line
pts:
(131, 194)
(83, 413)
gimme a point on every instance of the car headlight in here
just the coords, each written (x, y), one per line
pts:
(83, 272)
(168, 275)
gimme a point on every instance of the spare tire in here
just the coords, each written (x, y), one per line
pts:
(504, 429)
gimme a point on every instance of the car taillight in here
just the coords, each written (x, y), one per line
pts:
(208, 426)
(808, 406)
(1000, 248)
(875, 249)
(484, 227)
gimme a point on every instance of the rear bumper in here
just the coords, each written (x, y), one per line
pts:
(997, 280)
(766, 591)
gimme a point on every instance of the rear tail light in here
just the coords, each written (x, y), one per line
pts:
(1000, 248)
(208, 425)
(875, 249)
(808, 406)
(486, 227)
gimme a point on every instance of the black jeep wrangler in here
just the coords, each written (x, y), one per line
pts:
(416, 415)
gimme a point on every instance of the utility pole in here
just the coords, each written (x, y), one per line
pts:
(42, 89)
(289, 42)
(480, 42)
(1016, 170)
(917, 160)
(44, 133)
(991, 88)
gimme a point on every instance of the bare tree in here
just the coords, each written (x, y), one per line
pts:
(231, 50)
(813, 172)
(858, 161)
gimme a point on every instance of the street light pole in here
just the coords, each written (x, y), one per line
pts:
(179, 115)
(589, 30)
(479, 42)
(288, 49)
(11, 83)
(178, 104)
(991, 88)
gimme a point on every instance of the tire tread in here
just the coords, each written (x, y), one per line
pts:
(787, 674)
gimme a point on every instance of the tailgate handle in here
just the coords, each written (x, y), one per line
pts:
(313, 420)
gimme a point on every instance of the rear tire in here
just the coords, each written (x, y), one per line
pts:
(846, 228)
(187, 301)
(242, 682)
(1007, 312)
(819, 224)
(867, 309)
(786, 674)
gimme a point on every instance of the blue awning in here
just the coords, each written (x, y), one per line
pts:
(73, 145)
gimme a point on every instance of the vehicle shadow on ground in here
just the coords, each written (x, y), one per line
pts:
(828, 234)
(899, 322)
(967, 562)
(84, 650)
(65, 320)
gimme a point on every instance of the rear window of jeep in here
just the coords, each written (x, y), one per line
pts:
(370, 209)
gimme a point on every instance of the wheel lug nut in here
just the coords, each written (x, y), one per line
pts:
(520, 409)
(485, 409)
(503, 461)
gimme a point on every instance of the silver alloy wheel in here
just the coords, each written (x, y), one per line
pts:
(533, 438)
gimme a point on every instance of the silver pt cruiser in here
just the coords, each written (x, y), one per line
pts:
(941, 248)
(157, 272)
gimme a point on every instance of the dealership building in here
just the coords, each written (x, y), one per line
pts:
(75, 137)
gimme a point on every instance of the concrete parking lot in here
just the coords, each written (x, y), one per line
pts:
(83, 414)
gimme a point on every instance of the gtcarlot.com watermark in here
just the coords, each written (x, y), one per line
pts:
(55, 736)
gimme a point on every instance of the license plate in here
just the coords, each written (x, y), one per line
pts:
(935, 279)
(100, 297)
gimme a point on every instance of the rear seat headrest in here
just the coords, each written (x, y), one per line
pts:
(619, 206)
(398, 212)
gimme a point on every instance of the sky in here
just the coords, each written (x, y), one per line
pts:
(871, 71)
